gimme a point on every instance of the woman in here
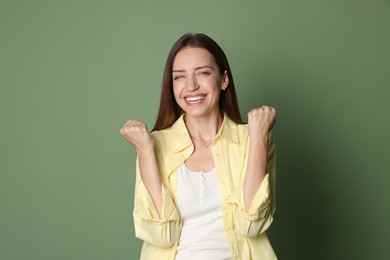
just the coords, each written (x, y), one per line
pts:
(205, 181)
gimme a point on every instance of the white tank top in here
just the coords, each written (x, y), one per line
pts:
(200, 205)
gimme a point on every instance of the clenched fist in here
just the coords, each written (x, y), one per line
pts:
(136, 133)
(261, 121)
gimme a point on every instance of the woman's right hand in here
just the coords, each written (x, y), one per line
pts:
(136, 133)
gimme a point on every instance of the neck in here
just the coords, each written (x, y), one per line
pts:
(204, 128)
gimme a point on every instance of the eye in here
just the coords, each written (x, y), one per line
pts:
(177, 77)
(204, 73)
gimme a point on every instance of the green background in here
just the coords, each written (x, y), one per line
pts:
(72, 72)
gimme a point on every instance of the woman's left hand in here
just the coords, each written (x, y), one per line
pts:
(261, 121)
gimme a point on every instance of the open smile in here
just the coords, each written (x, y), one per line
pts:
(195, 99)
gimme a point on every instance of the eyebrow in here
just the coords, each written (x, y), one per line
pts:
(197, 68)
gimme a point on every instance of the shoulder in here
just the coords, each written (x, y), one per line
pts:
(158, 134)
(162, 137)
(233, 132)
(238, 133)
(170, 133)
(172, 139)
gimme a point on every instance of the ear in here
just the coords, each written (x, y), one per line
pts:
(225, 81)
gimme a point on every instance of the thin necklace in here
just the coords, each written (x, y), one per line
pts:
(206, 145)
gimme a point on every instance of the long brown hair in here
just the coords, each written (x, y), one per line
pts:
(169, 111)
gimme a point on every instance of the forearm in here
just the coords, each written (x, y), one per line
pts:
(135, 132)
(151, 177)
(256, 168)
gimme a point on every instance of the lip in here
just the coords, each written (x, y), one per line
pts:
(195, 99)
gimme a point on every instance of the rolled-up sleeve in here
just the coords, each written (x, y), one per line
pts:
(259, 216)
(161, 231)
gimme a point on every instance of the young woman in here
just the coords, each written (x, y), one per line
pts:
(205, 186)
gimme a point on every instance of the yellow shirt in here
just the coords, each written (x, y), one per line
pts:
(245, 230)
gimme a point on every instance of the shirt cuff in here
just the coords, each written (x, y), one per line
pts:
(146, 209)
(260, 202)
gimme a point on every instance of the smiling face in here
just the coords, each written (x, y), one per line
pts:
(197, 81)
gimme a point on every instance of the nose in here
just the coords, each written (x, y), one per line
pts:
(192, 84)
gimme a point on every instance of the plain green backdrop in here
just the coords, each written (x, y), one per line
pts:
(72, 72)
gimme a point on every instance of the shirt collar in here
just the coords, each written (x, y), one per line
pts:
(182, 139)
(179, 135)
(229, 131)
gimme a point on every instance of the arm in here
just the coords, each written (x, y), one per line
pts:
(151, 177)
(135, 132)
(260, 123)
(256, 219)
(254, 201)
(156, 218)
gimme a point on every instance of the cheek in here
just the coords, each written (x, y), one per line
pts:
(176, 92)
(217, 85)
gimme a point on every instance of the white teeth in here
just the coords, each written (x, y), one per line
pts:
(194, 99)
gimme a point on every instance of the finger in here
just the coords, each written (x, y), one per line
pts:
(268, 108)
(131, 122)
